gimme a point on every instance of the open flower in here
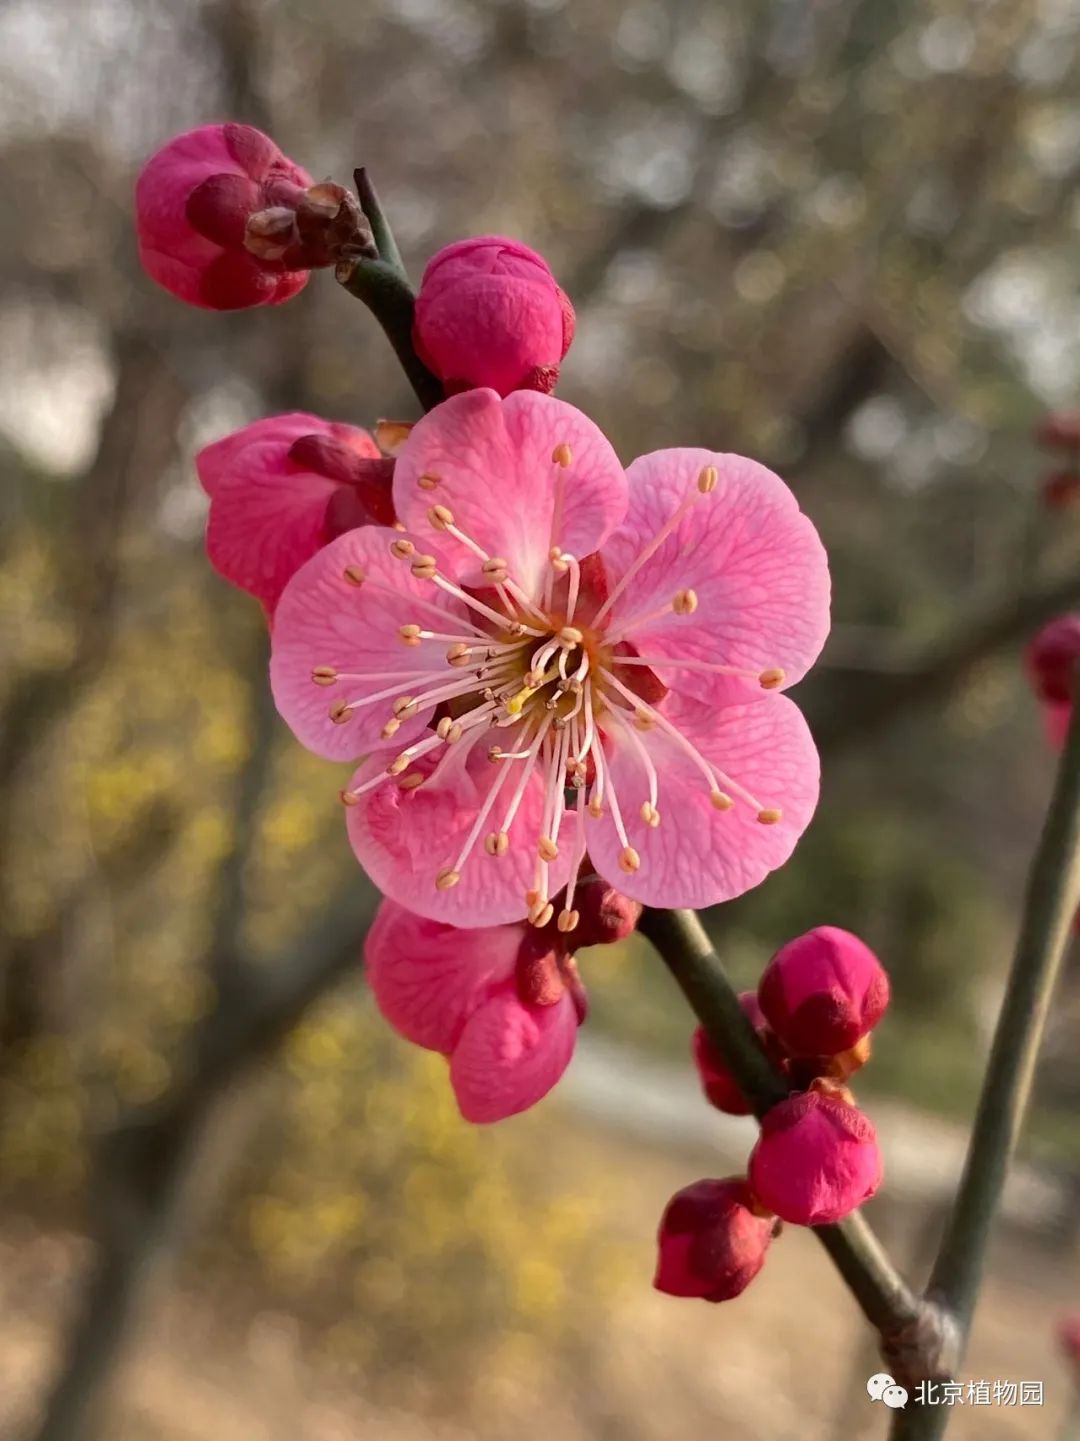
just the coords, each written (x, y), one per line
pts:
(503, 1004)
(281, 488)
(557, 657)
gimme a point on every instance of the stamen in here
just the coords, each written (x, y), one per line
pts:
(654, 545)
(526, 772)
(424, 567)
(324, 675)
(541, 914)
(353, 574)
(568, 920)
(402, 549)
(479, 823)
(570, 635)
(767, 679)
(440, 517)
(446, 879)
(685, 602)
(562, 455)
(708, 479)
(427, 481)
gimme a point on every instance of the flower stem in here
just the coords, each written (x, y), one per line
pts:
(1053, 892)
(884, 1297)
(381, 231)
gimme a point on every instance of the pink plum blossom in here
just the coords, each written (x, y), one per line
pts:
(282, 488)
(193, 201)
(503, 1003)
(557, 657)
(489, 313)
(1051, 659)
(823, 991)
(712, 1240)
(816, 1159)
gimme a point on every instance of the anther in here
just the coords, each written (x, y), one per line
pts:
(391, 435)
(494, 753)
(440, 517)
(547, 849)
(495, 569)
(410, 634)
(324, 675)
(708, 480)
(629, 860)
(770, 679)
(562, 455)
(442, 730)
(339, 712)
(497, 843)
(685, 602)
(454, 733)
(353, 574)
(650, 815)
(411, 781)
(391, 728)
(531, 898)
(424, 567)
(459, 653)
(555, 553)
(427, 481)
(402, 549)
(721, 800)
(596, 808)
(770, 816)
(349, 798)
(571, 635)
(397, 765)
(447, 879)
(541, 914)
(642, 722)
(568, 921)
(404, 705)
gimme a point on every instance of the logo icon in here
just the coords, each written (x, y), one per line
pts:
(882, 1387)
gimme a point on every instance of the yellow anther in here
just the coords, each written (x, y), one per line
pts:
(391, 435)
(555, 553)
(595, 808)
(770, 679)
(349, 798)
(562, 455)
(353, 574)
(721, 800)
(410, 634)
(440, 516)
(411, 781)
(570, 635)
(770, 816)
(497, 843)
(496, 568)
(442, 730)
(708, 480)
(629, 860)
(642, 722)
(324, 675)
(459, 653)
(494, 753)
(339, 712)
(547, 849)
(402, 549)
(427, 481)
(568, 921)
(447, 879)
(541, 914)
(684, 602)
(391, 728)
(397, 765)
(424, 567)
(404, 705)
(650, 815)
(531, 898)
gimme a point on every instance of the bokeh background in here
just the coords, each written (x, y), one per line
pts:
(842, 237)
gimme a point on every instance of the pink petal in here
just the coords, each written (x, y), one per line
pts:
(404, 838)
(493, 460)
(428, 978)
(215, 460)
(324, 620)
(698, 855)
(752, 558)
(510, 1055)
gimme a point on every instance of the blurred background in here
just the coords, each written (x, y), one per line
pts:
(841, 237)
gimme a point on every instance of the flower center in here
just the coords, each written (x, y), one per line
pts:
(548, 677)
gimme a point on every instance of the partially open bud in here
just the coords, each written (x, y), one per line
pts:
(823, 991)
(604, 914)
(816, 1159)
(282, 488)
(719, 1085)
(489, 313)
(712, 1242)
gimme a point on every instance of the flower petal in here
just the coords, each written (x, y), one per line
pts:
(698, 855)
(429, 978)
(510, 1055)
(325, 620)
(215, 460)
(493, 462)
(754, 561)
(404, 838)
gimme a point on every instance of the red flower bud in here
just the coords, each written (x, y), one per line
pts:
(712, 1242)
(489, 313)
(720, 1087)
(816, 1159)
(605, 915)
(1051, 659)
(823, 991)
